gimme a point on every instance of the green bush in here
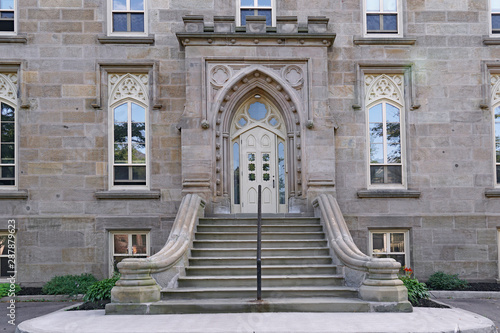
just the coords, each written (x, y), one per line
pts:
(416, 290)
(5, 289)
(101, 290)
(69, 284)
(443, 281)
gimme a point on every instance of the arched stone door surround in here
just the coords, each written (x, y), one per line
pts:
(257, 80)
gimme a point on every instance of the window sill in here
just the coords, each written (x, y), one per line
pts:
(384, 41)
(389, 194)
(126, 39)
(493, 193)
(13, 195)
(124, 195)
(13, 39)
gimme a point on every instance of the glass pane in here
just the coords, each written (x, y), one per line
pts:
(498, 174)
(121, 113)
(121, 173)
(375, 114)
(137, 4)
(264, 3)
(139, 173)
(8, 171)
(390, 22)
(265, 167)
(7, 182)
(373, 22)
(121, 244)
(121, 153)
(138, 132)
(7, 4)
(497, 132)
(138, 114)
(377, 174)
(8, 153)
(138, 153)
(390, 5)
(379, 243)
(251, 157)
(372, 5)
(273, 122)
(265, 157)
(251, 177)
(8, 132)
(394, 174)
(7, 15)
(495, 5)
(376, 153)
(3, 245)
(251, 167)
(265, 177)
(121, 132)
(257, 111)
(497, 111)
(137, 22)
(242, 122)
(5, 269)
(245, 13)
(399, 258)
(398, 242)
(119, 4)
(392, 114)
(495, 22)
(268, 14)
(248, 3)
(498, 152)
(394, 153)
(7, 112)
(376, 133)
(7, 25)
(281, 173)
(119, 22)
(139, 244)
(236, 170)
(393, 133)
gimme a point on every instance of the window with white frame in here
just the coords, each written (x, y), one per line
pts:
(383, 18)
(127, 17)
(129, 139)
(8, 16)
(390, 244)
(128, 244)
(495, 16)
(256, 7)
(8, 100)
(385, 129)
(495, 103)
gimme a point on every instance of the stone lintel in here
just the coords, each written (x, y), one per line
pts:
(13, 195)
(493, 193)
(389, 194)
(126, 39)
(253, 39)
(112, 195)
(384, 41)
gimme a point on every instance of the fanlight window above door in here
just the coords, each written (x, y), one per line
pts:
(261, 112)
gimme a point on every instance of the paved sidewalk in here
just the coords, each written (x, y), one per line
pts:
(489, 308)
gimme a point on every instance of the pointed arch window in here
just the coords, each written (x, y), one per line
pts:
(385, 130)
(129, 135)
(8, 142)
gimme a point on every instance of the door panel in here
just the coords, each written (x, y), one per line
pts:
(258, 167)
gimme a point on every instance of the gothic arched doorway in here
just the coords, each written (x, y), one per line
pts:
(258, 157)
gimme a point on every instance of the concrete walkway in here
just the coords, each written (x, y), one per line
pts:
(421, 320)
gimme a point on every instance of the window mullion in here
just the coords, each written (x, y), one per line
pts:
(129, 132)
(384, 131)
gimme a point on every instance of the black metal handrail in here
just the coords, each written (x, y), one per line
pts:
(259, 245)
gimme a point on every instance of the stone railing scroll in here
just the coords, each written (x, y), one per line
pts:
(382, 283)
(136, 284)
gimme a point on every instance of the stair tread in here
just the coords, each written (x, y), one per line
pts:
(268, 300)
(305, 288)
(267, 248)
(263, 266)
(269, 277)
(253, 257)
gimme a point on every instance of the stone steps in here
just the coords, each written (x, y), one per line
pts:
(252, 244)
(266, 270)
(266, 252)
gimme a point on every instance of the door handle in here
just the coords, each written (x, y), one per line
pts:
(273, 183)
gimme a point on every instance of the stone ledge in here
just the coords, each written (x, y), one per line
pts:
(464, 294)
(14, 39)
(111, 195)
(126, 39)
(495, 193)
(384, 41)
(9, 195)
(388, 194)
(491, 40)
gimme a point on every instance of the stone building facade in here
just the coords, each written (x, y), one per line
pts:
(113, 110)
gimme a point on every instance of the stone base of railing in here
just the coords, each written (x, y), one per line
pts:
(141, 288)
(391, 292)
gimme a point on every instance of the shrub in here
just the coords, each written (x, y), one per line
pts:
(443, 281)
(69, 284)
(5, 289)
(101, 290)
(416, 290)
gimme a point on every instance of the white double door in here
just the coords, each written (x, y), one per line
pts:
(258, 167)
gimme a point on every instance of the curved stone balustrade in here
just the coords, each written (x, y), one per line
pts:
(136, 284)
(382, 283)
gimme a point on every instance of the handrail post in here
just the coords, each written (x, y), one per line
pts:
(259, 247)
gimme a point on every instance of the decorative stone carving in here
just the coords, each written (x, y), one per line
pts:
(384, 86)
(495, 89)
(293, 75)
(8, 87)
(219, 75)
(128, 85)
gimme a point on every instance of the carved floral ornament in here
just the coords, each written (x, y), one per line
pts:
(8, 87)
(495, 89)
(128, 85)
(379, 86)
